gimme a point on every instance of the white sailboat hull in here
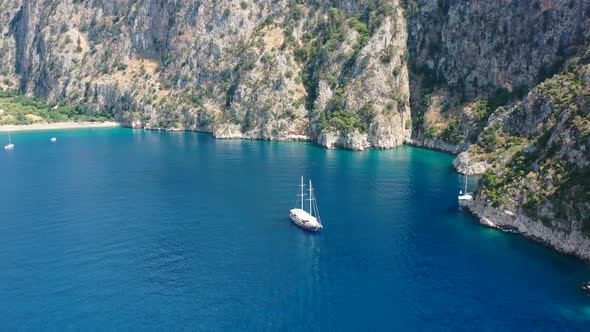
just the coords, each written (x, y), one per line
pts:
(465, 198)
(304, 220)
(9, 147)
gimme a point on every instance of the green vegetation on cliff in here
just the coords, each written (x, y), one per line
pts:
(540, 152)
(349, 31)
(18, 109)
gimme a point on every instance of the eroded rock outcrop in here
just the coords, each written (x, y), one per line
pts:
(570, 242)
(469, 57)
(538, 157)
(504, 86)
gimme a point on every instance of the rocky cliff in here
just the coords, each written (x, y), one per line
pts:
(332, 72)
(501, 83)
(505, 85)
(469, 57)
(538, 152)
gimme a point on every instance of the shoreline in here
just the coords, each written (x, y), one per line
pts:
(567, 244)
(58, 125)
(571, 244)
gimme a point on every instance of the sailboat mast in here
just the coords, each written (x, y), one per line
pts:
(302, 193)
(466, 176)
(310, 198)
(9, 138)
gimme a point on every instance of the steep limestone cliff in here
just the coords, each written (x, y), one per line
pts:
(248, 69)
(505, 85)
(469, 57)
(539, 156)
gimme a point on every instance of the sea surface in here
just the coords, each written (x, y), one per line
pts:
(121, 229)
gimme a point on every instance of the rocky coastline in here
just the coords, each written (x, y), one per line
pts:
(456, 77)
(569, 243)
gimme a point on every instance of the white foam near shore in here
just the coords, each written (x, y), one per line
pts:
(58, 125)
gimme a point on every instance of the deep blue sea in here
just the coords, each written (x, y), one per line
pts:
(121, 229)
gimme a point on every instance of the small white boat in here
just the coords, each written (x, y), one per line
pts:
(464, 196)
(53, 139)
(306, 219)
(10, 145)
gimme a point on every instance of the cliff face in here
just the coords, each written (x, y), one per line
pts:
(249, 69)
(507, 83)
(535, 157)
(469, 57)
(539, 154)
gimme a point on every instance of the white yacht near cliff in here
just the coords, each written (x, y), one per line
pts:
(464, 196)
(10, 145)
(310, 219)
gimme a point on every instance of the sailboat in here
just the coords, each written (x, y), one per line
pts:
(464, 196)
(306, 219)
(10, 145)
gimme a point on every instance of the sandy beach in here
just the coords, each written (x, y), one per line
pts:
(58, 125)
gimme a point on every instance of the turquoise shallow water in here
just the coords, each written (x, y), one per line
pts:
(132, 230)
